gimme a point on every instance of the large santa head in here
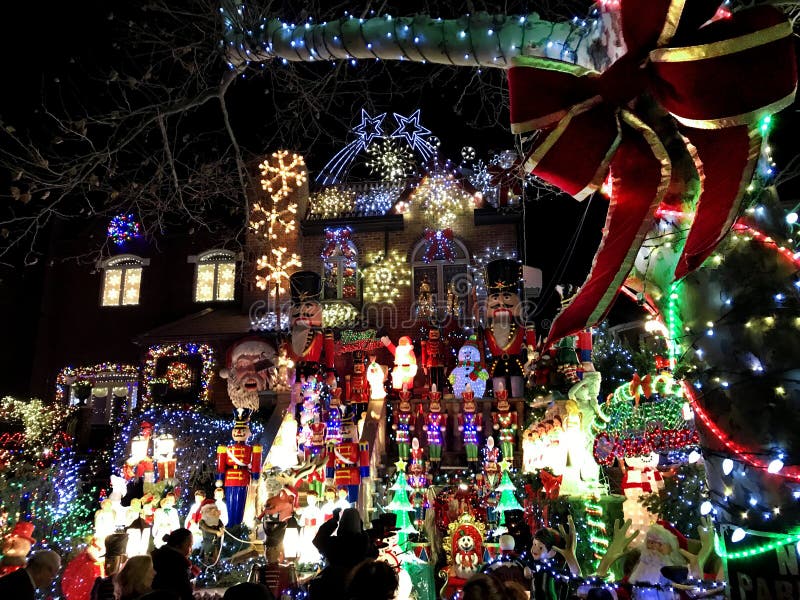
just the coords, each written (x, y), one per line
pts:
(248, 364)
(661, 549)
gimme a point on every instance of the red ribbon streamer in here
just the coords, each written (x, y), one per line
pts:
(717, 80)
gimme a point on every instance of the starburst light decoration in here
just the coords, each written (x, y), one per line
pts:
(441, 199)
(385, 276)
(333, 202)
(389, 160)
(277, 269)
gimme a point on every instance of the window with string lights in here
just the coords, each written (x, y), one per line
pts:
(442, 283)
(122, 279)
(215, 276)
(339, 265)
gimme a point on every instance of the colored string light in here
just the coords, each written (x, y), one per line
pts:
(757, 550)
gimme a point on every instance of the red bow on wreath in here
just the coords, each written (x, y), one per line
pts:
(438, 242)
(717, 80)
(507, 180)
(337, 239)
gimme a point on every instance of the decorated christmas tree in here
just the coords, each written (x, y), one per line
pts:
(508, 500)
(401, 505)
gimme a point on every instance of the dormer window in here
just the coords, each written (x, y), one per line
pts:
(215, 277)
(122, 279)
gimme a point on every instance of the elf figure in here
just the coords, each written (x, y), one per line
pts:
(433, 357)
(405, 362)
(309, 348)
(238, 465)
(469, 370)
(212, 529)
(505, 337)
(403, 423)
(470, 423)
(435, 425)
(505, 422)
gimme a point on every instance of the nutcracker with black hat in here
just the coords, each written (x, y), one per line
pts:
(311, 350)
(505, 336)
(238, 466)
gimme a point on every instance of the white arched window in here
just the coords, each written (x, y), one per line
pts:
(215, 276)
(122, 278)
(445, 274)
(339, 266)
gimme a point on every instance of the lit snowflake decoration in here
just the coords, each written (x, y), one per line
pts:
(282, 174)
(389, 160)
(442, 199)
(333, 202)
(123, 228)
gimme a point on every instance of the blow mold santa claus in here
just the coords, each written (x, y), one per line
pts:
(247, 371)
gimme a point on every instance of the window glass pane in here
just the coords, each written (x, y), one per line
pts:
(130, 293)
(226, 275)
(330, 279)
(204, 288)
(112, 281)
(350, 279)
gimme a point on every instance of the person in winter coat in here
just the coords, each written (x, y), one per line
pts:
(172, 566)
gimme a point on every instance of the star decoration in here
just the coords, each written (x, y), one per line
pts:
(410, 129)
(401, 465)
(504, 465)
(370, 127)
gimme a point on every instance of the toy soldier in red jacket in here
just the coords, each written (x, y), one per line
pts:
(505, 336)
(237, 465)
(433, 357)
(311, 350)
(403, 423)
(435, 426)
(470, 424)
(505, 421)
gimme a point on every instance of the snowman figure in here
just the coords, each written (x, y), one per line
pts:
(641, 478)
(469, 370)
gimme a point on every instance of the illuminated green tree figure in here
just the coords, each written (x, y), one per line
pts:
(401, 505)
(508, 501)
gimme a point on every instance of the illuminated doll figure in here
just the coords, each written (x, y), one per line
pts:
(139, 465)
(311, 517)
(249, 366)
(505, 337)
(470, 423)
(138, 530)
(505, 422)
(16, 547)
(491, 458)
(433, 357)
(329, 505)
(219, 500)
(238, 464)
(553, 553)
(376, 375)
(192, 521)
(405, 362)
(165, 520)
(435, 426)
(311, 350)
(104, 522)
(403, 423)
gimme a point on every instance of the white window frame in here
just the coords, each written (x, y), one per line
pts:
(123, 263)
(340, 259)
(214, 257)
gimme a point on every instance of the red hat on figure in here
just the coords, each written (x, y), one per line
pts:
(683, 543)
(24, 530)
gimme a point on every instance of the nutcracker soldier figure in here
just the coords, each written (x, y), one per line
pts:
(358, 390)
(435, 426)
(469, 424)
(433, 357)
(403, 423)
(309, 348)
(348, 463)
(238, 464)
(505, 422)
(491, 467)
(333, 426)
(505, 336)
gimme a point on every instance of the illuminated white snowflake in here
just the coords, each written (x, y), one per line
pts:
(389, 160)
(282, 173)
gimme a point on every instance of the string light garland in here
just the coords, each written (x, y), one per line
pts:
(332, 203)
(156, 353)
(779, 542)
(385, 277)
(115, 372)
(123, 229)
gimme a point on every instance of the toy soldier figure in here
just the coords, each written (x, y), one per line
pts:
(311, 350)
(435, 426)
(403, 423)
(469, 423)
(237, 465)
(433, 357)
(505, 336)
(505, 421)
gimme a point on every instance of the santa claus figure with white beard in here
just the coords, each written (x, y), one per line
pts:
(505, 336)
(249, 363)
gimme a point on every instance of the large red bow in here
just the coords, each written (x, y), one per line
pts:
(337, 239)
(717, 80)
(438, 242)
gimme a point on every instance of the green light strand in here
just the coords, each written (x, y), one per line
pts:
(750, 552)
